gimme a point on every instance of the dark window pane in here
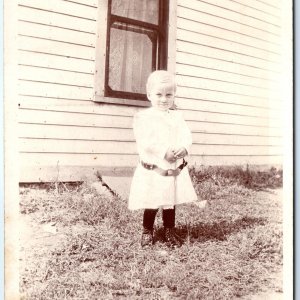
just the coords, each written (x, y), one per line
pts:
(131, 57)
(142, 10)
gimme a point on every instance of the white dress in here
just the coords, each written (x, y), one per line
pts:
(155, 131)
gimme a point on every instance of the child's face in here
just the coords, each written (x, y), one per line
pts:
(162, 95)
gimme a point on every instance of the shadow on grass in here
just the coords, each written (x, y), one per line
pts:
(203, 232)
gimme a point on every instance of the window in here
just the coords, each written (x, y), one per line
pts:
(136, 45)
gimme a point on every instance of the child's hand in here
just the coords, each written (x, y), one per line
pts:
(180, 153)
(169, 156)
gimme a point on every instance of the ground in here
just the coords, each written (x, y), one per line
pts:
(81, 242)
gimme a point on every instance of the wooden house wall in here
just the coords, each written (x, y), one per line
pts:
(227, 67)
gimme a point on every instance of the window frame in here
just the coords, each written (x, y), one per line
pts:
(166, 16)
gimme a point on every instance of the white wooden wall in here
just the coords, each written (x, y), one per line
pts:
(227, 65)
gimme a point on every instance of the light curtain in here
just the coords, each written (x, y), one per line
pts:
(131, 46)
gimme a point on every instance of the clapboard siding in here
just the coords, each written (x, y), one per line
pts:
(116, 121)
(222, 21)
(94, 119)
(56, 62)
(191, 80)
(65, 132)
(198, 47)
(230, 17)
(228, 62)
(237, 70)
(51, 159)
(55, 76)
(50, 32)
(120, 147)
(52, 47)
(267, 9)
(227, 65)
(46, 89)
(71, 8)
(213, 73)
(95, 161)
(225, 35)
(55, 19)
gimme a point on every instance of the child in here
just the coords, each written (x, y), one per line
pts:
(161, 179)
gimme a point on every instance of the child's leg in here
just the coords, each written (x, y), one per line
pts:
(148, 223)
(168, 216)
(171, 237)
(149, 218)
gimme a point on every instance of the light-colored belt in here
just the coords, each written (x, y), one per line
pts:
(169, 172)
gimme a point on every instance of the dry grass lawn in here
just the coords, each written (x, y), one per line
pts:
(78, 243)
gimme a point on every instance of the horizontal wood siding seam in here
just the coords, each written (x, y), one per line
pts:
(187, 120)
(74, 153)
(58, 48)
(269, 4)
(185, 102)
(67, 132)
(230, 20)
(185, 50)
(56, 54)
(100, 110)
(214, 35)
(230, 30)
(84, 3)
(237, 12)
(59, 13)
(105, 147)
(135, 154)
(184, 63)
(267, 13)
(255, 8)
(55, 69)
(74, 125)
(226, 113)
(224, 81)
(218, 128)
(51, 18)
(56, 26)
(226, 92)
(60, 77)
(133, 141)
(41, 89)
(191, 47)
(263, 108)
(58, 110)
(113, 114)
(62, 7)
(86, 140)
(246, 55)
(58, 41)
(53, 100)
(56, 83)
(130, 128)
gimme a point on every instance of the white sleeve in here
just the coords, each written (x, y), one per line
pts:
(146, 137)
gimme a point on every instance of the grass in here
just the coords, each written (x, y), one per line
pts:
(233, 248)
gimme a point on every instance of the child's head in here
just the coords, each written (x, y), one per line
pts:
(161, 89)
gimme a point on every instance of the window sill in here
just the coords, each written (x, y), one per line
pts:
(121, 101)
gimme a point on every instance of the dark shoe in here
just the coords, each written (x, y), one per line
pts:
(147, 238)
(172, 239)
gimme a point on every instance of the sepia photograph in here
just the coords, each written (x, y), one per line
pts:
(148, 149)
